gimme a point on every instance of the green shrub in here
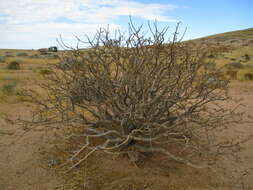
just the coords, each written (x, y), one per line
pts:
(36, 69)
(248, 76)
(9, 88)
(211, 56)
(50, 56)
(9, 55)
(247, 57)
(14, 65)
(45, 71)
(22, 54)
(250, 66)
(20, 92)
(55, 56)
(34, 56)
(2, 59)
(234, 65)
(210, 65)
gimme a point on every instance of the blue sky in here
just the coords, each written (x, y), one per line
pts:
(27, 24)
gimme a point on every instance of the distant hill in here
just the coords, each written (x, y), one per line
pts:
(238, 34)
(232, 39)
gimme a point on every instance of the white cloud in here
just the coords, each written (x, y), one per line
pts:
(27, 20)
(45, 34)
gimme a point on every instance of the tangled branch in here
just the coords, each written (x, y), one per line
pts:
(138, 94)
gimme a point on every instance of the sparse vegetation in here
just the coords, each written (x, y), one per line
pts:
(248, 76)
(210, 65)
(50, 55)
(247, 57)
(35, 56)
(8, 54)
(44, 71)
(234, 65)
(8, 88)
(250, 66)
(2, 59)
(23, 54)
(211, 56)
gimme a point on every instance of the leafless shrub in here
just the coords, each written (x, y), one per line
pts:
(138, 94)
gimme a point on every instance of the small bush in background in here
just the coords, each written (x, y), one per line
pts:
(34, 56)
(247, 57)
(210, 65)
(250, 66)
(211, 56)
(22, 54)
(14, 65)
(44, 71)
(50, 55)
(36, 69)
(248, 76)
(8, 54)
(2, 59)
(8, 88)
(234, 65)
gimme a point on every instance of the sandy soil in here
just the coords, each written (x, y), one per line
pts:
(21, 167)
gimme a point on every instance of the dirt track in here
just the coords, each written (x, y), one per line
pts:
(20, 166)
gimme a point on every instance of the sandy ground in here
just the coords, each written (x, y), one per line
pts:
(21, 167)
(19, 155)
